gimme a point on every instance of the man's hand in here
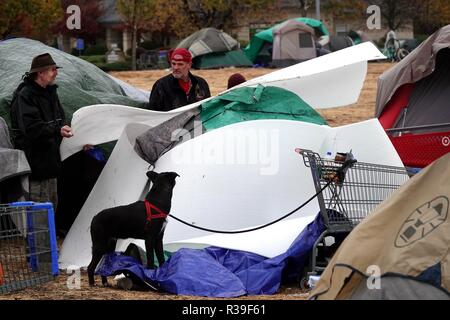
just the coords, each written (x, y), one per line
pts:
(88, 147)
(66, 132)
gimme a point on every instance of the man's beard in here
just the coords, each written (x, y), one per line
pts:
(178, 75)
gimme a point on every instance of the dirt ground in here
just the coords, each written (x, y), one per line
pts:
(58, 289)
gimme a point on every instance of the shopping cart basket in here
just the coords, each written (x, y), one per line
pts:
(352, 190)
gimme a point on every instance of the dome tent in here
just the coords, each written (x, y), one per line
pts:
(212, 48)
(80, 83)
(412, 101)
(293, 42)
(265, 37)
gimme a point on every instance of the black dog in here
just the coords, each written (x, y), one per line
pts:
(139, 220)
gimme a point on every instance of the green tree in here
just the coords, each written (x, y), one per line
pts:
(136, 15)
(185, 17)
(346, 9)
(89, 14)
(222, 14)
(174, 22)
(28, 18)
(431, 15)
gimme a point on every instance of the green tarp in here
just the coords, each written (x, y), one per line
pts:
(245, 104)
(80, 82)
(238, 105)
(235, 58)
(258, 40)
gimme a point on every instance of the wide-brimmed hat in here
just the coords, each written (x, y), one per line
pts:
(42, 62)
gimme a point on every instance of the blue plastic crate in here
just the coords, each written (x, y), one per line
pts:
(28, 248)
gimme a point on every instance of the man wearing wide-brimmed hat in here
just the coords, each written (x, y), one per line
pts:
(38, 126)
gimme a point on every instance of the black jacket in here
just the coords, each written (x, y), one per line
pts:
(167, 94)
(36, 121)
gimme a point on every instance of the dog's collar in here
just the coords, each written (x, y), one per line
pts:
(148, 209)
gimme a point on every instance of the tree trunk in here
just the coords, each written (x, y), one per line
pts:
(133, 37)
(133, 48)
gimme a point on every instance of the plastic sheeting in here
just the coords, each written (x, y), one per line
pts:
(218, 272)
(239, 176)
(342, 73)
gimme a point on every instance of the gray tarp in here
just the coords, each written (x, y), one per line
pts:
(80, 82)
(154, 142)
(338, 43)
(399, 288)
(417, 65)
(208, 40)
(14, 169)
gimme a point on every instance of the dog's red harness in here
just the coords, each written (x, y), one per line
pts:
(150, 216)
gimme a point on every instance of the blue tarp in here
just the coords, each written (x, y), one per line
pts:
(219, 272)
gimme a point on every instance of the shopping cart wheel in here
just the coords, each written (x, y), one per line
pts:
(304, 283)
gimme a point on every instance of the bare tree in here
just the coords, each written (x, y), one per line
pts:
(221, 14)
(135, 14)
(396, 12)
(304, 6)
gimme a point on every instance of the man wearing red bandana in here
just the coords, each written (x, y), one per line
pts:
(179, 88)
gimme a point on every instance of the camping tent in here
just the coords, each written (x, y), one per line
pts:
(413, 96)
(293, 42)
(401, 250)
(80, 82)
(358, 36)
(14, 169)
(212, 48)
(265, 37)
(335, 43)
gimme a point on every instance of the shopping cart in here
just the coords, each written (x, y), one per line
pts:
(28, 248)
(352, 190)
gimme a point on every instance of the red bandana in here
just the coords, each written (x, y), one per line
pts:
(181, 54)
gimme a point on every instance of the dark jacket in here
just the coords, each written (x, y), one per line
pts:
(36, 121)
(167, 94)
